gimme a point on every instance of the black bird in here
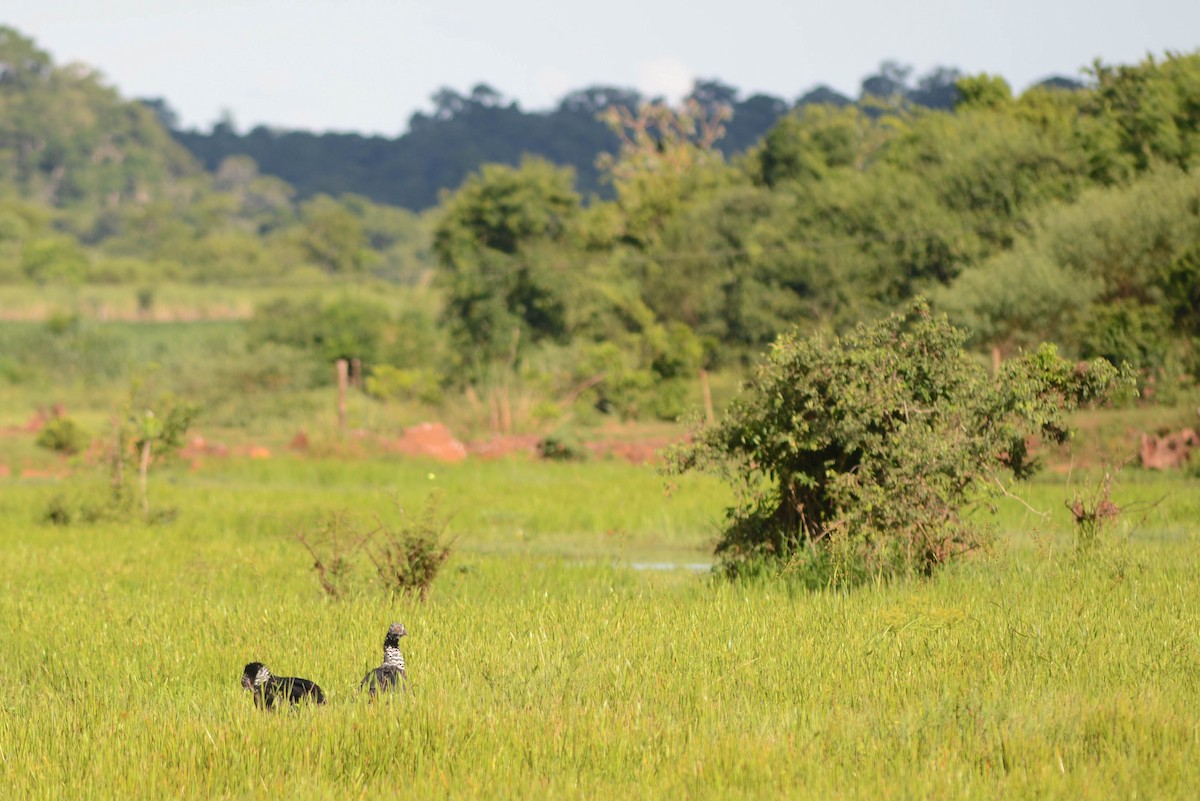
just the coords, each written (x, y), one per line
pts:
(266, 687)
(390, 674)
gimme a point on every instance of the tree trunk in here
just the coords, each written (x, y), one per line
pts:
(343, 377)
(143, 472)
(708, 407)
(118, 458)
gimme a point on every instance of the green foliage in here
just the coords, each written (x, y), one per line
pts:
(992, 169)
(1016, 299)
(863, 452)
(1127, 237)
(562, 448)
(408, 557)
(67, 139)
(667, 158)
(65, 350)
(87, 504)
(1017, 214)
(53, 260)
(1126, 331)
(982, 91)
(149, 426)
(332, 237)
(505, 289)
(870, 240)
(1143, 114)
(346, 327)
(813, 140)
(1095, 275)
(62, 435)
(1182, 289)
(394, 383)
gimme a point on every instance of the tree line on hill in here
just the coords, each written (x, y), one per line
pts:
(1070, 216)
(464, 131)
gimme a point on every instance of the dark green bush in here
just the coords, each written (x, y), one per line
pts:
(562, 448)
(62, 435)
(862, 452)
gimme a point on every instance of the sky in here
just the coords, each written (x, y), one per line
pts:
(368, 65)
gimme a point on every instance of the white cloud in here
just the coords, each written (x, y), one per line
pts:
(664, 76)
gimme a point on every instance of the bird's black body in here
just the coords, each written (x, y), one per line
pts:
(267, 688)
(389, 676)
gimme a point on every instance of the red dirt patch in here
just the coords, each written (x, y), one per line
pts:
(635, 452)
(1168, 451)
(199, 446)
(504, 444)
(429, 439)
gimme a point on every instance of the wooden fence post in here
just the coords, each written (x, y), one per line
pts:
(343, 374)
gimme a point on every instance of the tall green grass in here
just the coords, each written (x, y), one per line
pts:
(546, 666)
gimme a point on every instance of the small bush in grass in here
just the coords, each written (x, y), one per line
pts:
(333, 545)
(406, 558)
(562, 448)
(62, 435)
(1093, 511)
(409, 556)
(857, 457)
(88, 504)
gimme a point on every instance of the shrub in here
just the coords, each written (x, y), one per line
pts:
(562, 448)
(862, 453)
(1127, 331)
(62, 435)
(332, 546)
(394, 383)
(343, 328)
(87, 503)
(408, 557)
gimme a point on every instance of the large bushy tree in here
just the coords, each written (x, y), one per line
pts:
(870, 446)
(495, 244)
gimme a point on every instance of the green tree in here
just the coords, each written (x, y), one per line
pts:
(808, 143)
(501, 243)
(1142, 114)
(1016, 299)
(343, 328)
(54, 259)
(870, 446)
(149, 426)
(332, 237)
(982, 91)
(666, 159)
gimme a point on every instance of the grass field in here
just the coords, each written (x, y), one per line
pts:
(548, 664)
(170, 302)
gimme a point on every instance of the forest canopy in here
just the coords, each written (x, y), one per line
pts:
(1069, 212)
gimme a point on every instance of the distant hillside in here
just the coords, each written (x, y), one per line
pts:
(463, 132)
(67, 139)
(93, 188)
